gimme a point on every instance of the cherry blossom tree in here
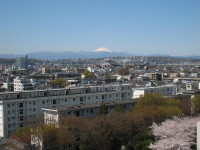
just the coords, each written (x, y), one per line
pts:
(175, 134)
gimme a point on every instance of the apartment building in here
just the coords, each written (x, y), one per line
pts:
(18, 109)
(23, 84)
(53, 115)
(165, 90)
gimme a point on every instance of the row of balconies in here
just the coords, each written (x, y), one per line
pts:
(24, 108)
(61, 93)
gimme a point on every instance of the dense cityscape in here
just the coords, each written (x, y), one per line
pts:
(99, 75)
(43, 93)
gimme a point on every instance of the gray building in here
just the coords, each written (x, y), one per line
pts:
(18, 109)
(53, 115)
(22, 62)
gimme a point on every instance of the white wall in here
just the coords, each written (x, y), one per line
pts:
(138, 93)
(198, 135)
(1, 121)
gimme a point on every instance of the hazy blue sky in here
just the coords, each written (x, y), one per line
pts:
(136, 26)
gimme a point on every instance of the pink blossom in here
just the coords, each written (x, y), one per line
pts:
(175, 134)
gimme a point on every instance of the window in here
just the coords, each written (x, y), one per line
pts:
(21, 118)
(77, 113)
(21, 111)
(91, 111)
(81, 99)
(20, 105)
(54, 101)
(122, 94)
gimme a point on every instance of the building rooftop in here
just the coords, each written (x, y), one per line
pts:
(151, 87)
(85, 106)
(60, 89)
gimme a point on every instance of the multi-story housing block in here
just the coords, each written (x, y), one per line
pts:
(165, 90)
(23, 84)
(53, 115)
(18, 109)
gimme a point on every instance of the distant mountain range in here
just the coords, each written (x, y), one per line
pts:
(78, 54)
(67, 55)
(74, 55)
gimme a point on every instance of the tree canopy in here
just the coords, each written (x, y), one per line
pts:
(196, 105)
(59, 83)
(89, 75)
(107, 131)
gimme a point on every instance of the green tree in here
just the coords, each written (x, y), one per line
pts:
(186, 106)
(107, 76)
(153, 107)
(196, 105)
(99, 135)
(155, 99)
(126, 125)
(117, 108)
(124, 71)
(141, 141)
(23, 135)
(89, 75)
(103, 109)
(59, 83)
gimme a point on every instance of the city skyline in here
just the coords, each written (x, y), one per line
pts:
(144, 27)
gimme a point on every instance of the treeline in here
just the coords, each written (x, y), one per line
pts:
(7, 61)
(129, 130)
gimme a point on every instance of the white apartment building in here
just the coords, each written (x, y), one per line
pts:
(23, 84)
(165, 90)
(18, 109)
